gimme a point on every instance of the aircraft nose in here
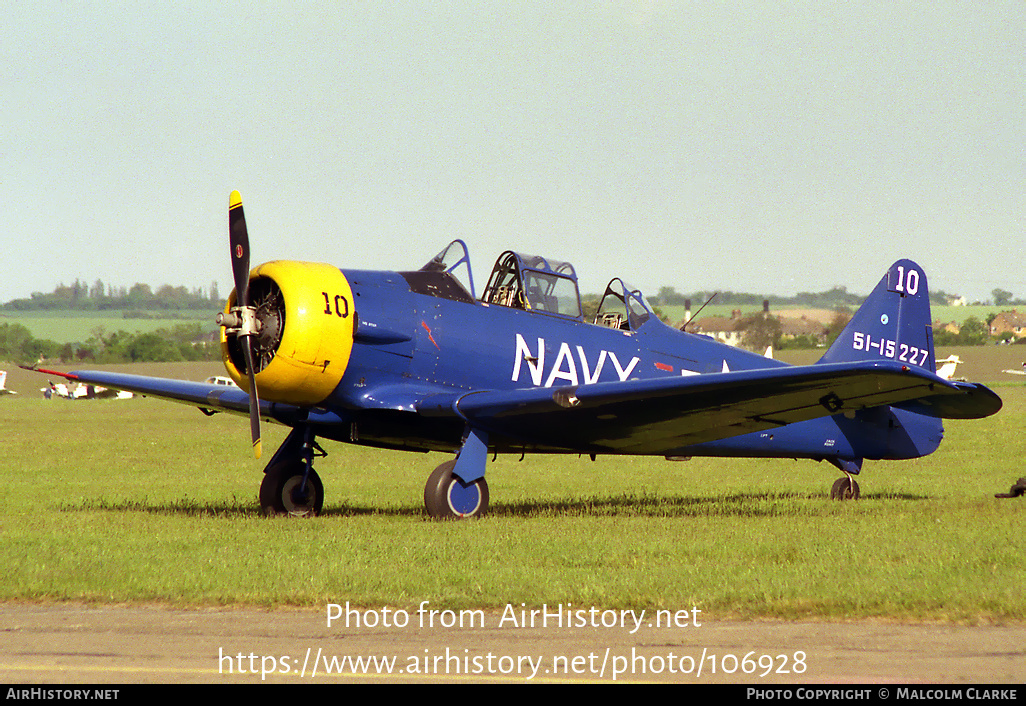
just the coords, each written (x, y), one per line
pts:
(305, 336)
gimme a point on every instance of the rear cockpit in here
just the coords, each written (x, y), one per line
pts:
(529, 283)
(622, 307)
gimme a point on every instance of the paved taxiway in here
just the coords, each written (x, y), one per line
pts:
(74, 643)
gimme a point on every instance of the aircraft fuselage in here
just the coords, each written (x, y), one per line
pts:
(409, 344)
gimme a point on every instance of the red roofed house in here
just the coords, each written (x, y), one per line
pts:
(1009, 322)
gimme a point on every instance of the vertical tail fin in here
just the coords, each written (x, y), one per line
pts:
(893, 324)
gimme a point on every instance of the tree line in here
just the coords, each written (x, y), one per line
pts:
(829, 299)
(101, 297)
(193, 342)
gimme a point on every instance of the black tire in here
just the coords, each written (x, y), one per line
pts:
(279, 489)
(446, 497)
(844, 489)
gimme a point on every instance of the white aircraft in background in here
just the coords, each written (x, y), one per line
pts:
(83, 391)
(3, 384)
(221, 380)
(946, 367)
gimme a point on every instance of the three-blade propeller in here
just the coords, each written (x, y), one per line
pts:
(244, 312)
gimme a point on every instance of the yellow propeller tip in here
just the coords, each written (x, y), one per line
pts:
(256, 449)
(235, 200)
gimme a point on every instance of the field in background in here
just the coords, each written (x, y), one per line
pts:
(979, 363)
(958, 314)
(943, 314)
(79, 326)
(146, 501)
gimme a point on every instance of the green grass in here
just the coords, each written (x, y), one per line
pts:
(144, 501)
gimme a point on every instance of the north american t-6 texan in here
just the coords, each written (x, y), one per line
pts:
(417, 361)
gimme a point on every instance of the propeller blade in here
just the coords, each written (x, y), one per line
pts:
(254, 401)
(238, 238)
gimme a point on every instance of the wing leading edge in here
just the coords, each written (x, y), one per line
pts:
(208, 397)
(653, 415)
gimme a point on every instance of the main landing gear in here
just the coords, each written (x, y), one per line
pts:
(284, 492)
(291, 486)
(457, 489)
(447, 497)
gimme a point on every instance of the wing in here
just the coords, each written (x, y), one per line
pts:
(653, 415)
(207, 397)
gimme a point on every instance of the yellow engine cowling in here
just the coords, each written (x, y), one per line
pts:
(306, 335)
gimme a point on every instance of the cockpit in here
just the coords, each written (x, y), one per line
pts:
(622, 307)
(530, 283)
(533, 283)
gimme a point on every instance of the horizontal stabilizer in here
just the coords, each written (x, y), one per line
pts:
(976, 402)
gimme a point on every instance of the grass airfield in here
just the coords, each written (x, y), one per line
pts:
(148, 501)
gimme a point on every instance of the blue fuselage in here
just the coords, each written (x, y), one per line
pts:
(409, 345)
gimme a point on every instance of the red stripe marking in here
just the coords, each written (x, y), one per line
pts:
(67, 376)
(430, 337)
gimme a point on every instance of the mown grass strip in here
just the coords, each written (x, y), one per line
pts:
(147, 501)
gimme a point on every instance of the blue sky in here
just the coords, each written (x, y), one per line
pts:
(768, 147)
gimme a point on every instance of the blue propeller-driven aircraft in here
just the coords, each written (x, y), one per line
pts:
(417, 361)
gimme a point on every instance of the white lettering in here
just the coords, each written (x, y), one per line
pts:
(623, 373)
(565, 367)
(535, 363)
(557, 372)
(590, 379)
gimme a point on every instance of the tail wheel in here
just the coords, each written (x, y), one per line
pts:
(446, 497)
(844, 489)
(280, 491)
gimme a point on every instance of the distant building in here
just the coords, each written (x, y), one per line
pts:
(1012, 322)
(791, 328)
(722, 329)
(731, 331)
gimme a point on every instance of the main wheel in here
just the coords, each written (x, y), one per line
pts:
(446, 497)
(279, 491)
(844, 489)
